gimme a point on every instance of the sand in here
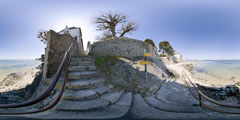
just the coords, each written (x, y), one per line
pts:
(19, 78)
(202, 78)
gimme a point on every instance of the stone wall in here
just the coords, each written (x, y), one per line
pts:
(127, 48)
(122, 47)
(56, 47)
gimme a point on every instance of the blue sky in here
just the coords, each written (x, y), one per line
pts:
(203, 29)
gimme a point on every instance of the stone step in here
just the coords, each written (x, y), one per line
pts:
(84, 84)
(87, 94)
(100, 90)
(109, 112)
(81, 68)
(153, 102)
(140, 109)
(67, 105)
(82, 75)
(112, 97)
(176, 94)
(125, 100)
(83, 58)
(82, 63)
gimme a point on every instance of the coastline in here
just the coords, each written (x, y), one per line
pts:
(203, 78)
(19, 78)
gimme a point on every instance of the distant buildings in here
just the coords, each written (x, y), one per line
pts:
(177, 55)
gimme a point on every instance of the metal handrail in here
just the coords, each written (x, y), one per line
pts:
(201, 94)
(47, 91)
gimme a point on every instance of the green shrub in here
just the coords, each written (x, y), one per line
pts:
(149, 41)
(165, 46)
(102, 61)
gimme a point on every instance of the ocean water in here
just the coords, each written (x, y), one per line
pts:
(14, 66)
(223, 69)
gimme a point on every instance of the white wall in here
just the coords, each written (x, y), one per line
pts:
(75, 33)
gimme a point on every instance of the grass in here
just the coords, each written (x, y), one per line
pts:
(105, 63)
(102, 61)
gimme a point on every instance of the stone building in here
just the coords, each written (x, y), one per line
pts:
(57, 45)
(76, 34)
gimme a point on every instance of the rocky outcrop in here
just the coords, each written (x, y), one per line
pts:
(122, 47)
(222, 93)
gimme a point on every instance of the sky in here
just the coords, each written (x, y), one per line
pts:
(199, 29)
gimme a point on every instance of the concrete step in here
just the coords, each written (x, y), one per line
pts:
(84, 84)
(82, 75)
(82, 63)
(112, 97)
(81, 68)
(153, 102)
(87, 94)
(67, 105)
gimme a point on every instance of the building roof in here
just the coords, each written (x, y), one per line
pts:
(70, 28)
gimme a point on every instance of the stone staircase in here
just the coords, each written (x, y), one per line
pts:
(86, 96)
(172, 97)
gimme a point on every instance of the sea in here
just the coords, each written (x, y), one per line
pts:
(225, 69)
(14, 66)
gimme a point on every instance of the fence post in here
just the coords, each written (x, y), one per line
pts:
(200, 99)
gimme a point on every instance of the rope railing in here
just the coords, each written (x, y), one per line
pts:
(201, 95)
(65, 61)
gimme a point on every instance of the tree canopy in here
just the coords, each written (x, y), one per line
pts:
(150, 42)
(165, 47)
(108, 22)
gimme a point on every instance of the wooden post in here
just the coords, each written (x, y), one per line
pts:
(200, 99)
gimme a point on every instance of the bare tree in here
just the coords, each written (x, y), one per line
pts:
(131, 26)
(107, 22)
(42, 34)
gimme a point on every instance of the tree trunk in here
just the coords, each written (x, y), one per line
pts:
(113, 32)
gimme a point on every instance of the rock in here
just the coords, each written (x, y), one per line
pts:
(232, 90)
(15, 76)
(155, 87)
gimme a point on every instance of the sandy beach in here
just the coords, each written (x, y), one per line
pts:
(203, 78)
(17, 79)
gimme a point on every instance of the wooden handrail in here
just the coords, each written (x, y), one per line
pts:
(47, 91)
(201, 94)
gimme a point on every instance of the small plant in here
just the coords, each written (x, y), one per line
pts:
(105, 63)
(102, 61)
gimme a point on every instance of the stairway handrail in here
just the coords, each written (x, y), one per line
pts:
(48, 90)
(201, 94)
